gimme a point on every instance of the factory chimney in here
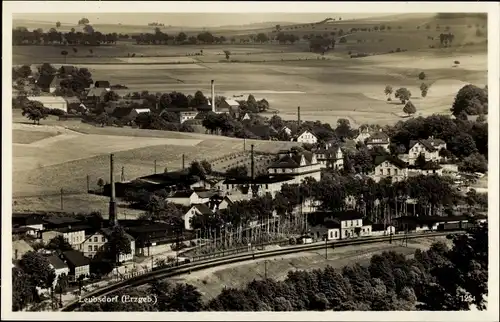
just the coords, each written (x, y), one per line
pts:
(212, 83)
(112, 203)
(298, 116)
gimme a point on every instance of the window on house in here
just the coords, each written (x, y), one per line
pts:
(381, 172)
(90, 248)
(388, 171)
(95, 239)
(267, 186)
(395, 171)
(95, 248)
(283, 170)
(335, 234)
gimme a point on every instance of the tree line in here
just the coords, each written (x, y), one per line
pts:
(441, 278)
(89, 37)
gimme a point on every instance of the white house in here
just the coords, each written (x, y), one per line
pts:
(331, 156)
(95, 243)
(298, 165)
(429, 168)
(286, 129)
(188, 115)
(195, 210)
(363, 134)
(429, 148)
(306, 137)
(190, 197)
(60, 268)
(387, 166)
(348, 224)
(379, 139)
(263, 184)
(52, 102)
(19, 248)
(73, 235)
(246, 117)
(383, 230)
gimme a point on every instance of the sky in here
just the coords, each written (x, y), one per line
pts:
(190, 19)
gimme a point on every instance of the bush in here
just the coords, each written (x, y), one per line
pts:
(421, 76)
(456, 62)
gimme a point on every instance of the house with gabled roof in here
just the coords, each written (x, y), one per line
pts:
(388, 166)
(429, 148)
(48, 83)
(363, 134)
(331, 156)
(78, 264)
(297, 164)
(190, 197)
(379, 139)
(306, 136)
(94, 243)
(195, 210)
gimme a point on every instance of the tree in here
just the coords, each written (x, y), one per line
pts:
(58, 24)
(409, 108)
(100, 184)
(111, 96)
(420, 160)
(198, 99)
(462, 145)
(388, 90)
(35, 111)
(206, 166)
(117, 244)
(470, 99)
(421, 76)
(475, 162)
(237, 172)
(197, 169)
(343, 128)
(65, 54)
(38, 270)
(58, 243)
(22, 290)
(83, 21)
(227, 53)
(61, 286)
(403, 94)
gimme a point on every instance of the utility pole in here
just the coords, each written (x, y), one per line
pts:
(265, 270)
(326, 247)
(62, 205)
(123, 174)
(155, 166)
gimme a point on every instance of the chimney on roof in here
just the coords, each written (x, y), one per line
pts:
(212, 84)
(112, 203)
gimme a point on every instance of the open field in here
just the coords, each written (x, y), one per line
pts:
(27, 137)
(84, 151)
(211, 281)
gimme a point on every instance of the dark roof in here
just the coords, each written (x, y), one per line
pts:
(263, 131)
(158, 226)
(330, 224)
(259, 180)
(379, 227)
(67, 69)
(46, 81)
(27, 219)
(205, 193)
(56, 262)
(73, 228)
(108, 231)
(76, 258)
(62, 220)
(292, 160)
(181, 194)
(305, 130)
(347, 215)
(430, 144)
(122, 112)
(102, 84)
(204, 107)
(203, 209)
(379, 159)
(378, 136)
(95, 91)
(432, 219)
(21, 230)
(177, 109)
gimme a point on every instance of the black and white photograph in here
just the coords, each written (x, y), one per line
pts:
(185, 158)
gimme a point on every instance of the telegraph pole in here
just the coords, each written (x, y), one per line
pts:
(326, 247)
(123, 174)
(265, 270)
(155, 166)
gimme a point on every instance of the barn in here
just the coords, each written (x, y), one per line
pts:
(52, 102)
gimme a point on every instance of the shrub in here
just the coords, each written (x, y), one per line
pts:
(421, 76)
(456, 62)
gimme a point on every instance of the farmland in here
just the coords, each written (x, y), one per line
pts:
(326, 87)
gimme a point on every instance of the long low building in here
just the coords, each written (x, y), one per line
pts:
(52, 102)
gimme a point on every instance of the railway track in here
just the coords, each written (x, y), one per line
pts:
(197, 266)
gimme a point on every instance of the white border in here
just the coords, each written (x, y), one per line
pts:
(491, 8)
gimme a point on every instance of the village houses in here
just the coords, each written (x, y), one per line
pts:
(378, 139)
(195, 210)
(306, 137)
(429, 148)
(331, 156)
(94, 243)
(387, 166)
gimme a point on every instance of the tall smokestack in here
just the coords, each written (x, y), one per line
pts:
(112, 203)
(212, 83)
(252, 163)
(298, 116)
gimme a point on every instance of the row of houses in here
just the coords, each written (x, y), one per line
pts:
(350, 224)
